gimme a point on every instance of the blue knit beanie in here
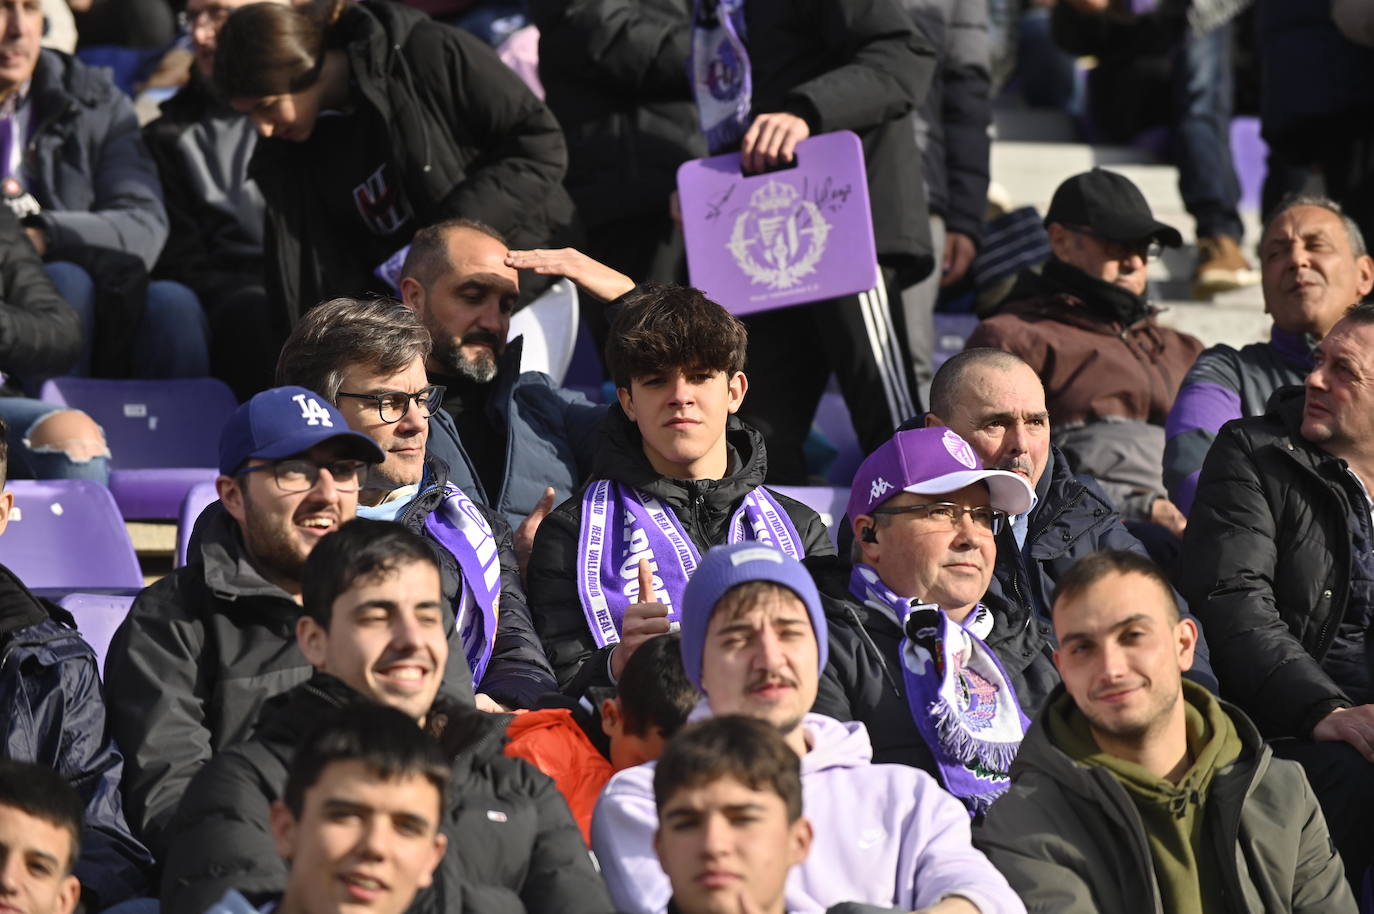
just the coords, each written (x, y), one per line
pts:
(724, 567)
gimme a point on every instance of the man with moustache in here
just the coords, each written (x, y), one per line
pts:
(996, 403)
(205, 646)
(1280, 569)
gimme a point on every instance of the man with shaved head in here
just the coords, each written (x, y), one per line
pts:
(994, 400)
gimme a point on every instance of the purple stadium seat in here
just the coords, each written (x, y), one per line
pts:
(97, 616)
(201, 496)
(828, 502)
(832, 421)
(163, 435)
(67, 534)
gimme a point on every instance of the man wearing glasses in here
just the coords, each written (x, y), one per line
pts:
(367, 358)
(1085, 326)
(203, 648)
(909, 654)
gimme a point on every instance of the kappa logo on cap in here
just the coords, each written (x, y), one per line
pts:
(879, 488)
(313, 412)
(959, 449)
(757, 554)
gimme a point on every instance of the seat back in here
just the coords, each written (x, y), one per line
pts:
(67, 534)
(201, 496)
(97, 616)
(152, 424)
(549, 326)
(828, 502)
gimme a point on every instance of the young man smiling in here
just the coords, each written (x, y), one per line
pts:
(204, 647)
(372, 627)
(1138, 791)
(359, 818)
(676, 474)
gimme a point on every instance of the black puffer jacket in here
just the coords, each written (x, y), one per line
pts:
(518, 672)
(513, 845)
(703, 507)
(467, 138)
(192, 664)
(1267, 563)
(615, 75)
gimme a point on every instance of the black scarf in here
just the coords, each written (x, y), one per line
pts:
(1103, 300)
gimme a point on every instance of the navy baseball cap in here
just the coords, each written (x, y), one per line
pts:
(284, 421)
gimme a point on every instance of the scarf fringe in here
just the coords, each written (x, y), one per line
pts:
(967, 747)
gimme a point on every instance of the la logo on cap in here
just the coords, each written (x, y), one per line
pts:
(959, 449)
(312, 412)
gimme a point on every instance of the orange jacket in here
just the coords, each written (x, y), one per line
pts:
(551, 741)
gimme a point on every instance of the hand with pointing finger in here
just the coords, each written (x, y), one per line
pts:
(524, 534)
(643, 620)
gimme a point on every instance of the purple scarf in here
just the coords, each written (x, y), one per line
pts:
(458, 525)
(621, 525)
(960, 698)
(719, 71)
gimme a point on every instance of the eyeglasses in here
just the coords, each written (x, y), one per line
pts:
(948, 514)
(187, 20)
(1117, 250)
(296, 475)
(393, 405)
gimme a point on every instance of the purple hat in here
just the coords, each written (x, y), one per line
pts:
(724, 567)
(931, 461)
(283, 421)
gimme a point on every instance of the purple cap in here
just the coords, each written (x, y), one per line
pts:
(931, 461)
(284, 421)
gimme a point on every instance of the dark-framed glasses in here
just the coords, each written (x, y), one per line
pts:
(296, 474)
(393, 405)
(948, 514)
(1118, 250)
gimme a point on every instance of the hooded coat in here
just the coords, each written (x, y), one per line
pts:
(886, 835)
(51, 713)
(464, 137)
(1069, 838)
(703, 507)
(513, 846)
(192, 664)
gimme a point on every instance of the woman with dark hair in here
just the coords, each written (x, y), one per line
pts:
(377, 125)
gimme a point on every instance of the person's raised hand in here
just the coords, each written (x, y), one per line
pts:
(771, 140)
(587, 274)
(643, 620)
(1349, 725)
(523, 538)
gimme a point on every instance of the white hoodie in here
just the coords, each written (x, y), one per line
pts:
(886, 835)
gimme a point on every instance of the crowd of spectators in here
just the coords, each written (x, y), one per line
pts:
(1092, 632)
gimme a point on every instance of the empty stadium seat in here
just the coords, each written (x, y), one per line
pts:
(200, 496)
(163, 435)
(97, 616)
(830, 503)
(67, 535)
(549, 326)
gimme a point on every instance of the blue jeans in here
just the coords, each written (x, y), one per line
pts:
(21, 414)
(1203, 89)
(173, 338)
(1045, 71)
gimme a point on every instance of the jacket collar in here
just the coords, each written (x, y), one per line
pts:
(229, 573)
(18, 607)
